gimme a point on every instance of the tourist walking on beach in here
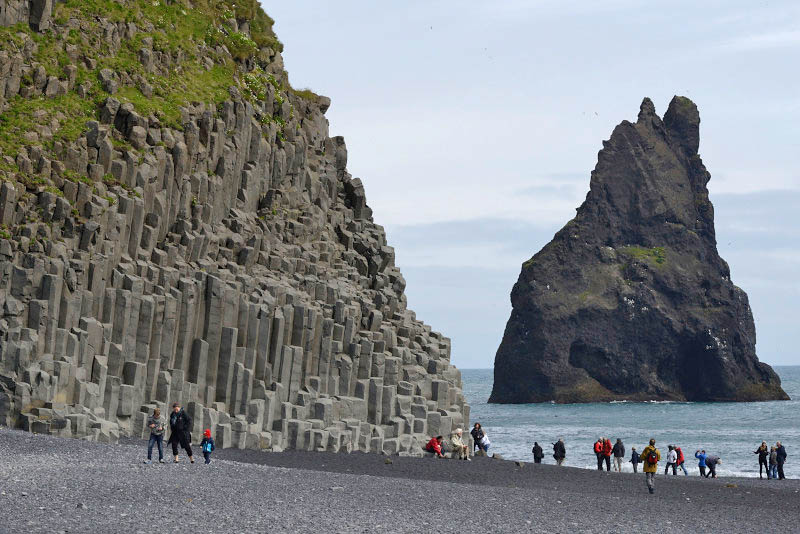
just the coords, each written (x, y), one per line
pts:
(477, 435)
(460, 450)
(538, 453)
(180, 426)
(607, 448)
(672, 461)
(701, 462)
(559, 451)
(619, 454)
(635, 460)
(435, 446)
(681, 460)
(598, 452)
(772, 473)
(651, 457)
(780, 451)
(207, 445)
(156, 425)
(711, 463)
(763, 456)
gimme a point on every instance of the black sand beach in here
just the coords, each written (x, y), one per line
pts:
(62, 485)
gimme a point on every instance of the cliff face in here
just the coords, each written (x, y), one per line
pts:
(630, 300)
(177, 225)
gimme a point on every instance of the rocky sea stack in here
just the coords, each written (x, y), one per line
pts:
(631, 300)
(177, 225)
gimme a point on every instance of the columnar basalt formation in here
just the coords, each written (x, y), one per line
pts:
(178, 226)
(630, 300)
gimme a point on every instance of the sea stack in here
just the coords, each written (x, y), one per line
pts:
(631, 300)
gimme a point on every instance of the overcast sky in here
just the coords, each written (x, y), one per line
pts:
(475, 125)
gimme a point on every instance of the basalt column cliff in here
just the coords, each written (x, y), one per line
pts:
(630, 300)
(177, 225)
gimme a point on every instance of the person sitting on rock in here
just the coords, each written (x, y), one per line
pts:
(477, 436)
(460, 450)
(435, 446)
(180, 425)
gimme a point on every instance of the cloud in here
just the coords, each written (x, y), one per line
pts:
(763, 41)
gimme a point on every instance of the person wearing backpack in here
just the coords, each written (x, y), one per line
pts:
(598, 452)
(635, 460)
(681, 460)
(207, 445)
(607, 448)
(651, 457)
(619, 454)
(701, 461)
(538, 453)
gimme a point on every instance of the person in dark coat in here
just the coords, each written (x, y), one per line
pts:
(619, 453)
(180, 425)
(711, 463)
(635, 460)
(538, 453)
(559, 451)
(763, 455)
(477, 436)
(780, 451)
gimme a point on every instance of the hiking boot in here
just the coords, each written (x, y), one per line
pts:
(651, 490)
(161, 461)
(148, 461)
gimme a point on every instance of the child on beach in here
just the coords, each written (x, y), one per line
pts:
(207, 445)
(156, 425)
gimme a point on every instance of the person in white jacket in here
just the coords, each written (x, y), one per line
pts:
(672, 461)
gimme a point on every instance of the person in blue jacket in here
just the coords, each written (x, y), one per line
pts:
(207, 445)
(701, 457)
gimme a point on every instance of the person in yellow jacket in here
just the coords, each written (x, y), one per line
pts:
(650, 458)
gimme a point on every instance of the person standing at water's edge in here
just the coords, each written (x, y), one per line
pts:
(651, 456)
(672, 461)
(538, 453)
(681, 460)
(711, 463)
(780, 452)
(598, 452)
(701, 462)
(619, 454)
(559, 451)
(180, 425)
(607, 448)
(477, 436)
(772, 473)
(763, 454)
(635, 459)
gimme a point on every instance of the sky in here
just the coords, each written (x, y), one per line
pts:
(475, 125)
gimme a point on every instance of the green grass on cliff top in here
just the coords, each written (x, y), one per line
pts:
(177, 29)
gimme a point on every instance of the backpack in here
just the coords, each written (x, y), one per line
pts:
(652, 457)
(207, 446)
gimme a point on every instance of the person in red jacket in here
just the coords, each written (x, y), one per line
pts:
(598, 451)
(681, 460)
(435, 446)
(607, 448)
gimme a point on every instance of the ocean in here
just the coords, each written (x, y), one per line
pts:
(731, 431)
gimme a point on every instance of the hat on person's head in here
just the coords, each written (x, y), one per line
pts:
(207, 432)
(176, 404)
